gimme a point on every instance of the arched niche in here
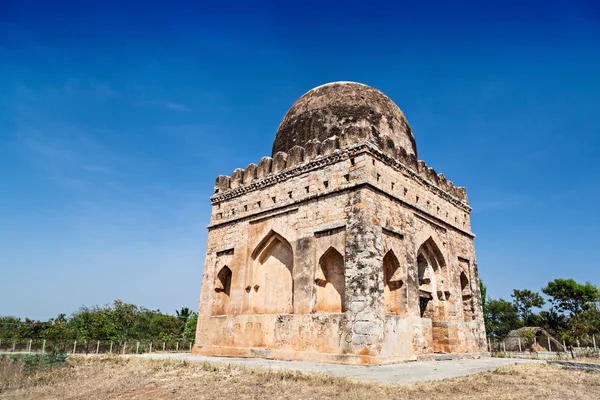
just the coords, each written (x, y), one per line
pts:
(330, 283)
(394, 288)
(222, 291)
(431, 270)
(273, 285)
(467, 296)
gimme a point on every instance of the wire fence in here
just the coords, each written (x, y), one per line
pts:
(543, 347)
(95, 346)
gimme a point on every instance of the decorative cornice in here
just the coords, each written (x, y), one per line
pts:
(335, 157)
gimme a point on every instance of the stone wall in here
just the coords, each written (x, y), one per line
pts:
(280, 229)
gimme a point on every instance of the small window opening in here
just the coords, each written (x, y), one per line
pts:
(290, 195)
(245, 207)
(307, 189)
(219, 215)
(274, 199)
(393, 185)
(352, 161)
(258, 204)
(417, 199)
(405, 191)
(347, 177)
(326, 184)
(378, 177)
(373, 162)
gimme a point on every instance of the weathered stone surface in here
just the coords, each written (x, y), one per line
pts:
(331, 109)
(264, 167)
(340, 249)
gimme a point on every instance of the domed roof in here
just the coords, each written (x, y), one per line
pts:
(342, 107)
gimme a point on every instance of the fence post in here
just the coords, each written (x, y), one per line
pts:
(177, 346)
(137, 347)
(490, 344)
(97, 347)
(29, 346)
(549, 344)
(150, 351)
(124, 345)
(520, 350)
(110, 351)
(74, 346)
(504, 346)
(191, 345)
(14, 345)
(594, 340)
(44, 346)
(578, 345)
(164, 346)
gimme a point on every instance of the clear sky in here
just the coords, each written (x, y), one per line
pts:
(115, 119)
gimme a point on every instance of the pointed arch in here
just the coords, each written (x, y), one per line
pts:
(394, 289)
(467, 296)
(222, 287)
(330, 282)
(273, 286)
(431, 267)
(223, 281)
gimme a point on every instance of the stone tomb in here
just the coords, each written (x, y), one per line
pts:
(341, 247)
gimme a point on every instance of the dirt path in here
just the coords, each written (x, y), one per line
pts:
(394, 373)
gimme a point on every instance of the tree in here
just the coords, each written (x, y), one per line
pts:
(190, 327)
(184, 314)
(579, 305)
(502, 317)
(525, 300)
(569, 296)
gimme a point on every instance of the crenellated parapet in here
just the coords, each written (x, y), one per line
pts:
(315, 155)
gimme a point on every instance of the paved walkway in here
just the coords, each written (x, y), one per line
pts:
(393, 373)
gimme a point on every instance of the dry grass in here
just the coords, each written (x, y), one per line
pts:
(130, 378)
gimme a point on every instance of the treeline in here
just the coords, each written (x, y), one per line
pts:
(117, 322)
(572, 315)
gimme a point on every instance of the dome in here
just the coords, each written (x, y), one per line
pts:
(344, 108)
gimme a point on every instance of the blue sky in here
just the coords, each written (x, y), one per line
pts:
(116, 117)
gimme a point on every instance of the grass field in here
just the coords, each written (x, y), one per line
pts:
(128, 378)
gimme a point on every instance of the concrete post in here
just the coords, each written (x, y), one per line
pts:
(549, 344)
(177, 346)
(164, 346)
(520, 350)
(578, 345)
(190, 346)
(14, 345)
(29, 346)
(594, 340)
(124, 346)
(150, 351)
(137, 347)
(44, 346)
(97, 347)
(490, 345)
(504, 346)
(564, 345)
(74, 346)
(110, 351)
